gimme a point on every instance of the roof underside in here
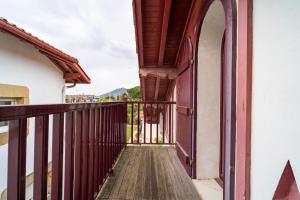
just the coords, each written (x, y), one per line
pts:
(69, 65)
(159, 28)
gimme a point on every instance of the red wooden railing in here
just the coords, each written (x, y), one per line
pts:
(86, 141)
(89, 137)
(144, 117)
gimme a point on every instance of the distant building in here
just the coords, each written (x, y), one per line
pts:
(81, 98)
(32, 72)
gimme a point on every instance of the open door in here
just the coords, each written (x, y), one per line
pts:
(184, 109)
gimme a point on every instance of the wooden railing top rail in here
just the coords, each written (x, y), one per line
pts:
(152, 102)
(21, 111)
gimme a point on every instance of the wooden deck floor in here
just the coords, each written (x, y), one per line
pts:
(149, 173)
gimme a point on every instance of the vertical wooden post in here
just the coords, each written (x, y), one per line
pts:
(170, 123)
(69, 157)
(41, 157)
(57, 156)
(151, 113)
(157, 121)
(78, 155)
(145, 112)
(132, 109)
(17, 159)
(91, 138)
(85, 137)
(138, 128)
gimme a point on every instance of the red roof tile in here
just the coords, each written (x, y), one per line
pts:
(63, 61)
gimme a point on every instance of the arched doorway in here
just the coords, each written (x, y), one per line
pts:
(208, 92)
(216, 96)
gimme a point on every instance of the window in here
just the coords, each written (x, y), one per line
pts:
(5, 102)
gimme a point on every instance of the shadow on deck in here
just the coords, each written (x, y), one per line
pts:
(149, 173)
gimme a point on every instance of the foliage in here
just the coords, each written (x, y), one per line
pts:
(134, 93)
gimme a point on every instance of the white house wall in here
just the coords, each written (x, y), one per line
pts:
(276, 94)
(22, 64)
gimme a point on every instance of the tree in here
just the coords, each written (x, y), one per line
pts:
(134, 93)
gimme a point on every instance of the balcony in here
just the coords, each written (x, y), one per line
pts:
(118, 150)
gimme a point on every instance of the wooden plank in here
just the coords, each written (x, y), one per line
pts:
(41, 157)
(16, 159)
(85, 138)
(69, 157)
(244, 92)
(91, 138)
(149, 173)
(78, 155)
(137, 6)
(164, 31)
(57, 156)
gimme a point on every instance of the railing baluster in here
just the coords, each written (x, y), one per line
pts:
(78, 154)
(57, 156)
(16, 159)
(132, 122)
(106, 151)
(151, 113)
(96, 150)
(164, 122)
(170, 124)
(85, 137)
(101, 148)
(91, 136)
(157, 121)
(41, 157)
(138, 128)
(114, 133)
(171, 111)
(69, 156)
(145, 113)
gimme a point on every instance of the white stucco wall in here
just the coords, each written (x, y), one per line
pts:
(276, 94)
(22, 64)
(208, 94)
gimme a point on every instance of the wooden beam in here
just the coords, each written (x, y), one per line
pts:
(137, 6)
(157, 66)
(184, 32)
(162, 73)
(164, 31)
(156, 88)
(71, 75)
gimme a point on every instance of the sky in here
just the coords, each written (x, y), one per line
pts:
(99, 33)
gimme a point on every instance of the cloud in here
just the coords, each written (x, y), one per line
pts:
(99, 33)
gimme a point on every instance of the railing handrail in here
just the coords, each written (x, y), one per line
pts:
(11, 112)
(20, 111)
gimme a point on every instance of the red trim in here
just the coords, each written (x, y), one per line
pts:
(222, 124)
(287, 187)
(45, 48)
(244, 91)
(182, 154)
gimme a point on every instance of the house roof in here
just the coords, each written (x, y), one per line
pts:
(159, 27)
(73, 73)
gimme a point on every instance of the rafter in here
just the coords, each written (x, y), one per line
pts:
(164, 31)
(137, 6)
(71, 75)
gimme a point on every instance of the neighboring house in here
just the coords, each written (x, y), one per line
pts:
(234, 70)
(31, 72)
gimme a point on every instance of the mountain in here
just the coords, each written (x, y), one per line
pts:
(115, 93)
